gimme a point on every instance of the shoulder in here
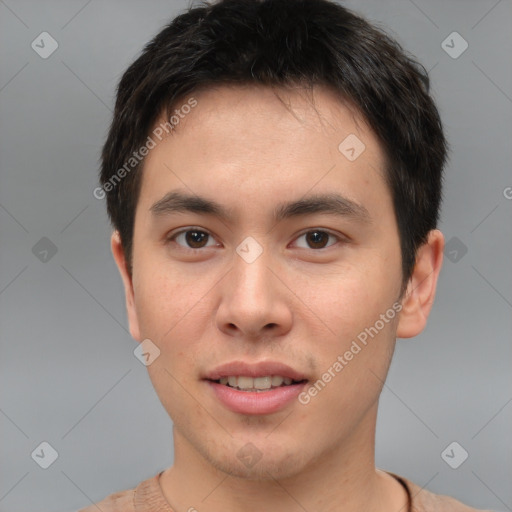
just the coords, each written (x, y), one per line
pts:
(426, 501)
(118, 502)
(147, 495)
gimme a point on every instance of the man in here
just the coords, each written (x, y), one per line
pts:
(273, 176)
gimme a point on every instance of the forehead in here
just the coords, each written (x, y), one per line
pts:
(245, 141)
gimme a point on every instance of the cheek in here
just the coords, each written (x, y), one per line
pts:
(176, 307)
(164, 298)
(352, 368)
(357, 318)
(348, 299)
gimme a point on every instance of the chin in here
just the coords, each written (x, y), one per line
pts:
(264, 464)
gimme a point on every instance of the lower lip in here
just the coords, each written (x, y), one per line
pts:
(256, 402)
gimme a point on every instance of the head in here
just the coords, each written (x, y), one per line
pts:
(263, 113)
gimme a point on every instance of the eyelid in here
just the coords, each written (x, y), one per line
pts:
(184, 229)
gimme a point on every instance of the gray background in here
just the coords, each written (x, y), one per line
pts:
(68, 373)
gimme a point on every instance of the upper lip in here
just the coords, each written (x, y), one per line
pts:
(259, 369)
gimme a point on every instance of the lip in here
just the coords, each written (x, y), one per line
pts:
(256, 402)
(259, 369)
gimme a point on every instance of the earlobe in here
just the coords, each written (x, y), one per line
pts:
(421, 289)
(120, 259)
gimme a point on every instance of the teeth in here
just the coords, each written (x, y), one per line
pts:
(245, 382)
(263, 382)
(277, 380)
(255, 384)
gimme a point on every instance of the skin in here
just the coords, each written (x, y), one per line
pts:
(297, 304)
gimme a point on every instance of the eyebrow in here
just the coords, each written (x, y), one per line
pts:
(330, 203)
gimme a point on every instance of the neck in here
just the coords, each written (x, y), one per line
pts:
(344, 478)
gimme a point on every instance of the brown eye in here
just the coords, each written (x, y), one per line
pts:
(317, 239)
(191, 238)
(195, 239)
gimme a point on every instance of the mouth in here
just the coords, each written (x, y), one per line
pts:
(257, 384)
(262, 387)
(256, 395)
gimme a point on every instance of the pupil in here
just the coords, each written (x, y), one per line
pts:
(192, 237)
(314, 237)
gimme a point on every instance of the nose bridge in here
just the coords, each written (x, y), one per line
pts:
(250, 298)
(251, 274)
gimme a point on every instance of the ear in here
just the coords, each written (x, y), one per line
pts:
(421, 289)
(119, 256)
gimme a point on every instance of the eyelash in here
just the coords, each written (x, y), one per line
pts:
(172, 237)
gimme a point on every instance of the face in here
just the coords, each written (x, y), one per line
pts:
(302, 290)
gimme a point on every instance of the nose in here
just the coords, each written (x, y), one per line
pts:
(253, 302)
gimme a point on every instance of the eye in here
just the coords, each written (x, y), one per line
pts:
(317, 238)
(192, 238)
(195, 239)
